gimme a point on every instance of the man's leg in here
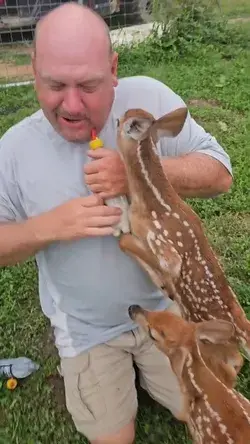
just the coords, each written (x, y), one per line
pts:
(100, 392)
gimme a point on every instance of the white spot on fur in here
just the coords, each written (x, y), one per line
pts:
(150, 240)
(157, 224)
(161, 238)
(150, 184)
(163, 263)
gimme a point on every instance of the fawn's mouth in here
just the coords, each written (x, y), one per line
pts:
(134, 310)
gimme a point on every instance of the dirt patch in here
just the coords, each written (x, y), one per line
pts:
(204, 103)
(48, 344)
(239, 20)
(57, 385)
(15, 72)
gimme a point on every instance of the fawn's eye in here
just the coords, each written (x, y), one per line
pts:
(117, 123)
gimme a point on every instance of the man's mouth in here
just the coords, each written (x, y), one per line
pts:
(73, 119)
(73, 122)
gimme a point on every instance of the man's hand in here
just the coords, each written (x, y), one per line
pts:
(105, 174)
(76, 219)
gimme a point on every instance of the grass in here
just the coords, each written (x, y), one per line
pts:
(11, 57)
(215, 84)
(235, 8)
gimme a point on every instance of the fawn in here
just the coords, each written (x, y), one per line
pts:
(166, 236)
(214, 412)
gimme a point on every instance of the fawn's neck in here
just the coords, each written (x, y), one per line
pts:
(146, 176)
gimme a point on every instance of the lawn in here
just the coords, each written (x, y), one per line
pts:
(216, 86)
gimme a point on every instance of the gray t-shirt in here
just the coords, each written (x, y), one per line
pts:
(86, 286)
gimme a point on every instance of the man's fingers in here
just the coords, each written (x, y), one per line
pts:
(104, 211)
(92, 167)
(94, 200)
(90, 179)
(101, 221)
(100, 153)
(96, 188)
(103, 231)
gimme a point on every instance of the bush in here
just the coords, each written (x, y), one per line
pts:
(183, 27)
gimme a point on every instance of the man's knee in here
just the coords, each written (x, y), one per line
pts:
(125, 436)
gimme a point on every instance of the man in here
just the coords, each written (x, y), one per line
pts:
(51, 205)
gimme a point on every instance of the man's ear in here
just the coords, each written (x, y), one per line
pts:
(215, 331)
(33, 61)
(169, 125)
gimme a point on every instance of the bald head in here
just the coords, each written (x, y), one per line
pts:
(75, 70)
(74, 25)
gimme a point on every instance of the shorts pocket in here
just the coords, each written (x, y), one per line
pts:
(84, 395)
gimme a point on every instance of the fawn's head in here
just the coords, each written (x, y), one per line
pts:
(176, 337)
(136, 125)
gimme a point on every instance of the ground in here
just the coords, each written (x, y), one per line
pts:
(215, 85)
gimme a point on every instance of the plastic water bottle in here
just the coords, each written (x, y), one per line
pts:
(17, 367)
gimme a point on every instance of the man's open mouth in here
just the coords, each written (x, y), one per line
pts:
(70, 119)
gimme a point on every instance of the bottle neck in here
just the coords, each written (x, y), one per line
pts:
(6, 370)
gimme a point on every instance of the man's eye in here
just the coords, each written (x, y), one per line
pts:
(57, 87)
(89, 88)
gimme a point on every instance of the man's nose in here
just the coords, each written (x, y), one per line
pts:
(72, 102)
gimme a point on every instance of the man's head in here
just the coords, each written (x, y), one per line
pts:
(75, 70)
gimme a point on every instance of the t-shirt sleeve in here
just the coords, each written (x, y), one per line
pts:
(10, 207)
(192, 138)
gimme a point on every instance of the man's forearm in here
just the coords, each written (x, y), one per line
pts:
(19, 241)
(197, 175)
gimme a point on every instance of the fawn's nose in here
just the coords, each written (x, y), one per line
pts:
(134, 310)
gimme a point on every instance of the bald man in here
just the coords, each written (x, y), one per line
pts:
(51, 206)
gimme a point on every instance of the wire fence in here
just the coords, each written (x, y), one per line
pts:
(18, 19)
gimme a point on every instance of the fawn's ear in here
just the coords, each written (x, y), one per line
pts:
(216, 331)
(178, 358)
(137, 127)
(169, 125)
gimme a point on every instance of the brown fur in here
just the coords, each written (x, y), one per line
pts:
(167, 237)
(216, 412)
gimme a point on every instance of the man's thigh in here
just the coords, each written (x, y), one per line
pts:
(100, 388)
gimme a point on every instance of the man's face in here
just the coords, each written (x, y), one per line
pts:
(76, 91)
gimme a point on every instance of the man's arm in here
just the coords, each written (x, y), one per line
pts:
(195, 163)
(19, 241)
(20, 238)
(197, 175)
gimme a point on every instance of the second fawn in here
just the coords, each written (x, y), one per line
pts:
(215, 412)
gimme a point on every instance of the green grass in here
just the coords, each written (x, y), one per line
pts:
(216, 85)
(13, 57)
(235, 8)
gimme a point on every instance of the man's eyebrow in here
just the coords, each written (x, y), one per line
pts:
(96, 78)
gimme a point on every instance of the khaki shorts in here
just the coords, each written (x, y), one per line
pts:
(100, 383)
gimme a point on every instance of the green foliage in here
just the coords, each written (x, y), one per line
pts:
(181, 29)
